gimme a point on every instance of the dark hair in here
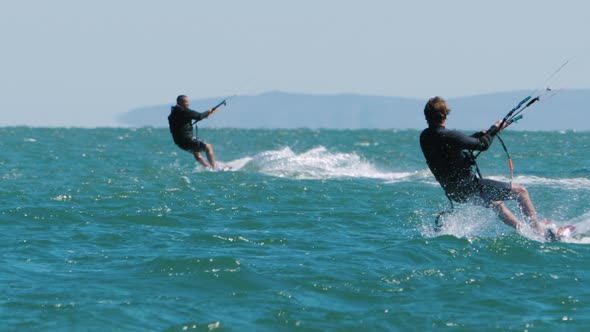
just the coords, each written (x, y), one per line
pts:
(436, 111)
(179, 98)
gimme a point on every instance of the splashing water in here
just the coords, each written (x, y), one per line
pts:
(317, 163)
(467, 221)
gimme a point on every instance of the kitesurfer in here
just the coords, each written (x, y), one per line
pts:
(447, 156)
(180, 121)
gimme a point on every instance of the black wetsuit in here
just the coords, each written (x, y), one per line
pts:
(452, 166)
(180, 121)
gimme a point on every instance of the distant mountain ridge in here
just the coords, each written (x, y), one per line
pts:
(565, 111)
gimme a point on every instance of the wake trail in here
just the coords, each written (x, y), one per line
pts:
(317, 163)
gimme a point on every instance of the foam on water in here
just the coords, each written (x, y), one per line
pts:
(563, 183)
(582, 223)
(582, 233)
(578, 183)
(316, 163)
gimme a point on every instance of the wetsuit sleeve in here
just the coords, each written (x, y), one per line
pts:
(492, 131)
(197, 115)
(478, 141)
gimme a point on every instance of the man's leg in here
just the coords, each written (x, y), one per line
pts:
(506, 215)
(526, 205)
(524, 201)
(200, 159)
(497, 192)
(210, 155)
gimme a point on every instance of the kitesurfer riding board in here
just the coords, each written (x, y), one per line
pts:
(180, 122)
(449, 156)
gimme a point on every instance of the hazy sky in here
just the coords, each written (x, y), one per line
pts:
(81, 63)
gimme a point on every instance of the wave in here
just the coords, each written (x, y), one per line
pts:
(317, 163)
(564, 183)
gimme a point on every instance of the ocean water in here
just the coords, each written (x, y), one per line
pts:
(312, 230)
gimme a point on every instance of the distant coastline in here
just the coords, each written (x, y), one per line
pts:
(565, 111)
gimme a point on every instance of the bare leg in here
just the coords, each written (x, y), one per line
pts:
(200, 159)
(526, 205)
(506, 215)
(210, 155)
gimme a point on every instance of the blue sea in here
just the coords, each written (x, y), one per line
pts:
(116, 229)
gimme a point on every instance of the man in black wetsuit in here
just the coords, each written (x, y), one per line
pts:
(180, 121)
(452, 166)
